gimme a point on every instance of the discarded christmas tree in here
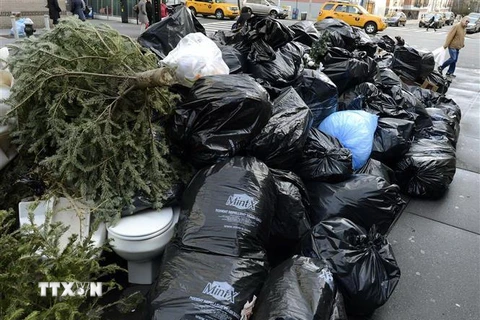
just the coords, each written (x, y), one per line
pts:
(83, 101)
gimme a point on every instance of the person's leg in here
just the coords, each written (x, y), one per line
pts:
(450, 60)
(451, 68)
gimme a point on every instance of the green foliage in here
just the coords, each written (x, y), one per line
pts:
(30, 255)
(320, 48)
(88, 129)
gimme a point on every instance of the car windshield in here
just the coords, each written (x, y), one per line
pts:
(362, 9)
(472, 19)
(428, 16)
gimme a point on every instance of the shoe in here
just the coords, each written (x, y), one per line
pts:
(451, 75)
(440, 70)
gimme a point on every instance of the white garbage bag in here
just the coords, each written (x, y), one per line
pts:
(195, 56)
(440, 55)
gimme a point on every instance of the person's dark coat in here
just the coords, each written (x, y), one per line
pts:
(77, 8)
(149, 9)
(54, 10)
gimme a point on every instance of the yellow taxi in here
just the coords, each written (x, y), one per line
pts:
(353, 14)
(219, 8)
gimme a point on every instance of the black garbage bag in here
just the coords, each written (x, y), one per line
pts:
(290, 221)
(301, 288)
(410, 103)
(195, 285)
(363, 264)
(281, 141)
(385, 42)
(440, 115)
(281, 72)
(219, 118)
(392, 140)
(228, 208)
(324, 159)
(363, 42)
(356, 98)
(350, 72)
(305, 32)
(163, 36)
(438, 80)
(272, 31)
(222, 37)
(376, 168)
(427, 169)
(234, 59)
(388, 78)
(340, 33)
(384, 59)
(407, 62)
(428, 97)
(336, 54)
(366, 200)
(428, 64)
(452, 110)
(439, 129)
(319, 93)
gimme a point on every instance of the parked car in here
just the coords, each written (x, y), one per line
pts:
(396, 19)
(449, 18)
(353, 14)
(425, 20)
(265, 8)
(218, 8)
(474, 24)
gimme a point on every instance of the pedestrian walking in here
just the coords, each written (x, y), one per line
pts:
(54, 10)
(432, 23)
(149, 9)
(454, 42)
(142, 15)
(78, 8)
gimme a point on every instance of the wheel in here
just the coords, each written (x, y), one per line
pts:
(370, 27)
(193, 11)
(219, 14)
(397, 24)
(273, 14)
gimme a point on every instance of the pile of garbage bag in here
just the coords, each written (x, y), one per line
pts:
(300, 168)
(301, 172)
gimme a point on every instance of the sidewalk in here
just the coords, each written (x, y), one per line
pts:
(436, 243)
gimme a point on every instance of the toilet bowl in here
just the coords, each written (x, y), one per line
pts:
(141, 238)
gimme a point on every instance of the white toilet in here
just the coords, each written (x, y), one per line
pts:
(141, 238)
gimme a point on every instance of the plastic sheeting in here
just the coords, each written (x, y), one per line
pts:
(363, 264)
(301, 288)
(219, 118)
(281, 141)
(319, 93)
(227, 209)
(364, 199)
(324, 159)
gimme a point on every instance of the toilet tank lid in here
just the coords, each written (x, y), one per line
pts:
(144, 223)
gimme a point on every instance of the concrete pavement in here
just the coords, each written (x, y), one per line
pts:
(436, 243)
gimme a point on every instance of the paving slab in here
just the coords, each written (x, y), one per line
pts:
(440, 267)
(468, 153)
(459, 207)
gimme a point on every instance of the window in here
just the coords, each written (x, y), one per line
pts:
(328, 6)
(341, 8)
(352, 9)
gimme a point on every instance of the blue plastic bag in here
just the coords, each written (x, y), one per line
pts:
(20, 26)
(355, 130)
